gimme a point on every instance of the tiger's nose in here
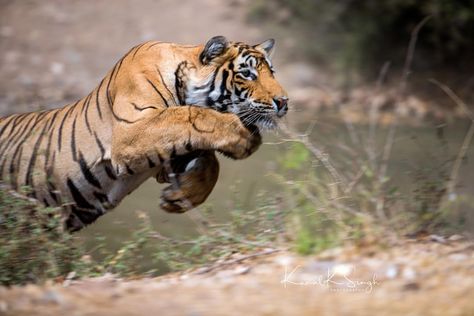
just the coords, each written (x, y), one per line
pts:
(282, 105)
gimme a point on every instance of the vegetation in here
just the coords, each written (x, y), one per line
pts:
(364, 202)
(322, 203)
(363, 35)
(33, 245)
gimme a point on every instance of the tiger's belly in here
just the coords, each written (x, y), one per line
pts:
(92, 195)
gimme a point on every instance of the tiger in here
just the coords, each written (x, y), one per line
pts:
(162, 111)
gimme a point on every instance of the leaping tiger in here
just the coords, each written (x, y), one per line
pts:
(161, 111)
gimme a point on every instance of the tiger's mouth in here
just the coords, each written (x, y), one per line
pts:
(262, 116)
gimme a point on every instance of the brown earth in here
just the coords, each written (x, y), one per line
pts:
(432, 276)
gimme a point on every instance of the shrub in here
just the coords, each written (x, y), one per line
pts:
(33, 243)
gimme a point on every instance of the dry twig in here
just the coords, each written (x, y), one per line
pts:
(467, 139)
(237, 260)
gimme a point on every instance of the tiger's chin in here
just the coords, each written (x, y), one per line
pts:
(262, 123)
(267, 123)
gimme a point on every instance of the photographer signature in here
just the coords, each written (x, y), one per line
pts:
(334, 280)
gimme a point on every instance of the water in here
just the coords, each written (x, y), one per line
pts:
(424, 147)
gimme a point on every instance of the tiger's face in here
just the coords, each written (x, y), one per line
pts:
(240, 79)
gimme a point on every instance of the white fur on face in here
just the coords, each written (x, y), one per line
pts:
(251, 111)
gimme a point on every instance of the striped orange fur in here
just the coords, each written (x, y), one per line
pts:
(162, 111)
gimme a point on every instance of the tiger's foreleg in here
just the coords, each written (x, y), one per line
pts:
(177, 131)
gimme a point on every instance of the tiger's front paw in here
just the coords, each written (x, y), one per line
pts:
(247, 142)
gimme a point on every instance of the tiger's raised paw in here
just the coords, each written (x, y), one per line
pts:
(194, 178)
(172, 205)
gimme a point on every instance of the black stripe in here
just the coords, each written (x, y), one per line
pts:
(86, 116)
(188, 146)
(86, 172)
(118, 118)
(129, 52)
(97, 104)
(85, 216)
(20, 129)
(225, 75)
(77, 196)
(157, 91)
(7, 123)
(71, 223)
(129, 170)
(61, 125)
(160, 158)
(178, 84)
(32, 162)
(110, 101)
(143, 108)
(73, 139)
(151, 164)
(19, 149)
(99, 143)
(136, 51)
(214, 76)
(53, 192)
(17, 123)
(53, 119)
(110, 173)
(118, 68)
(164, 84)
(47, 167)
(209, 101)
(13, 169)
(107, 90)
(154, 44)
(103, 198)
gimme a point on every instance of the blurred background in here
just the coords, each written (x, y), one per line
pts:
(383, 122)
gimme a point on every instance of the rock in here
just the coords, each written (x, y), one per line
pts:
(52, 297)
(455, 237)
(3, 307)
(437, 238)
(392, 272)
(408, 273)
(411, 286)
(458, 257)
(242, 270)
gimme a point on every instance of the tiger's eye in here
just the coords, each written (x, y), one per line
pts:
(246, 73)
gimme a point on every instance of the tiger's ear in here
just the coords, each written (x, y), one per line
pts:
(266, 47)
(215, 47)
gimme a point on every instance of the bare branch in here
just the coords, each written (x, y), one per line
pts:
(467, 139)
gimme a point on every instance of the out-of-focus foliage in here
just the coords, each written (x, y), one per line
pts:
(369, 204)
(33, 244)
(364, 34)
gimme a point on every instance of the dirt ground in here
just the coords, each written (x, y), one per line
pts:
(433, 276)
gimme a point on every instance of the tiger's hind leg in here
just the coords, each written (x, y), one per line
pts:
(192, 179)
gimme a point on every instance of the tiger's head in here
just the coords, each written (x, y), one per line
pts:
(238, 78)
